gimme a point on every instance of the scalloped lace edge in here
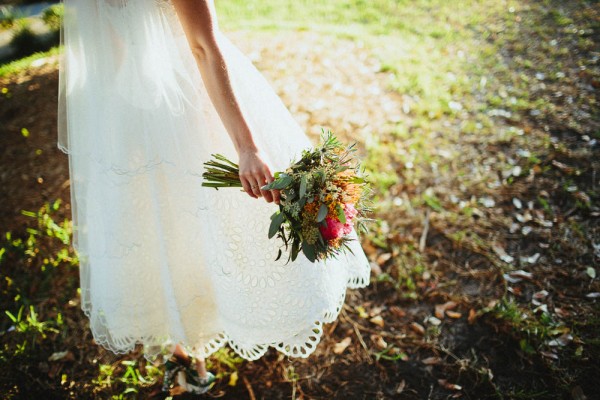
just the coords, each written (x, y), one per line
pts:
(154, 347)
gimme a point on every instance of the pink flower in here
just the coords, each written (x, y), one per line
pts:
(350, 211)
(333, 230)
(347, 227)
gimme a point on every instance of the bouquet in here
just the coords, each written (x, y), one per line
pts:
(322, 196)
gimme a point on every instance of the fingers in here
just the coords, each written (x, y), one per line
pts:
(246, 184)
(274, 192)
(253, 182)
(256, 187)
(268, 178)
(254, 174)
(267, 194)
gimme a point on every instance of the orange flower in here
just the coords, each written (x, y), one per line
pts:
(336, 243)
(311, 208)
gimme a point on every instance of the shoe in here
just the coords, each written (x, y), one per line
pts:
(172, 368)
(189, 380)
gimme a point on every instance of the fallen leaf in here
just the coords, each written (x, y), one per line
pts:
(562, 340)
(62, 356)
(383, 258)
(561, 312)
(369, 249)
(563, 167)
(377, 320)
(540, 295)
(361, 312)
(418, 328)
(375, 311)
(517, 203)
(515, 290)
(397, 311)
(472, 316)
(447, 385)
(502, 254)
(431, 360)
(233, 378)
(517, 275)
(439, 311)
(591, 272)
(542, 307)
(487, 202)
(375, 268)
(531, 259)
(339, 347)
(453, 314)
(379, 342)
(401, 387)
(526, 230)
(548, 354)
(593, 295)
(440, 308)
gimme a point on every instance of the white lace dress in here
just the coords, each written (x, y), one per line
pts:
(163, 259)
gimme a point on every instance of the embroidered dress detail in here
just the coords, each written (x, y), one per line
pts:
(162, 258)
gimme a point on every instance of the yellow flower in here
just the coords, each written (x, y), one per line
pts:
(336, 243)
(311, 207)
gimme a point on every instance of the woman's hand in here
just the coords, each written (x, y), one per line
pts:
(254, 173)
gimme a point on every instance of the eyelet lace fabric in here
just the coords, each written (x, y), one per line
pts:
(163, 259)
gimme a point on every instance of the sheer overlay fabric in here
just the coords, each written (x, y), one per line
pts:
(163, 259)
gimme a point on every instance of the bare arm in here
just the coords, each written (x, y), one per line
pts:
(199, 21)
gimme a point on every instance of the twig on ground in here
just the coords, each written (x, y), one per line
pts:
(425, 231)
(358, 334)
(249, 388)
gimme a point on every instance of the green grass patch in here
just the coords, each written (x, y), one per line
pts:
(18, 66)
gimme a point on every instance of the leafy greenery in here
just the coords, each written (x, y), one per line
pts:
(53, 15)
(18, 66)
(8, 16)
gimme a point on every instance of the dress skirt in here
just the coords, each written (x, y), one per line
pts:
(162, 258)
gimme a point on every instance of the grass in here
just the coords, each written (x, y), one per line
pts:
(21, 65)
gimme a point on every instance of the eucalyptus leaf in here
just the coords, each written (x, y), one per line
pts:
(302, 186)
(275, 224)
(309, 251)
(322, 213)
(282, 183)
(295, 249)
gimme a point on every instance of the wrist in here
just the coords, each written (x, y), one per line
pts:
(247, 149)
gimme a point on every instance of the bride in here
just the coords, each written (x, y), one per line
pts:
(149, 89)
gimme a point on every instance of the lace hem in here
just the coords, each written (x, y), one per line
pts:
(301, 345)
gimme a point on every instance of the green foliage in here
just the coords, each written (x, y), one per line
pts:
(128, 378)
(533, 330)
(53, 15)
(8, 16)
(44, 248)
(18, 66)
